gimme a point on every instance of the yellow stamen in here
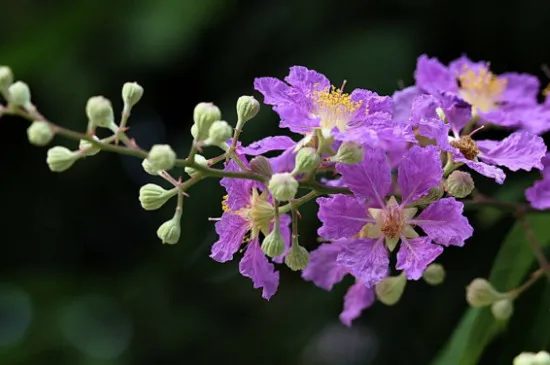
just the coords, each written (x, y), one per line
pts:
(335, 108)
(225, 207)
(481, 88)
(546, 90)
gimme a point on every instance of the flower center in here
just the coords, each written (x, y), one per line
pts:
(467, 146)
(391, 221)
(259, 212)
(481, 88)
(335, 108)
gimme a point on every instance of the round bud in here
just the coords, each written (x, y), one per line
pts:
(199, 160)
(162, 157)
(273, 244)
(348, 153)
(434, 274)
(152, 196)
(131, 94)
(261, 166)
(459, 184)
(148, 168)
(297, 257)
(480, 293)
(389, 290)
(525, 358)
(60, 158)
(307, 160)
(40, 133)
(204, 115)
(541, 358)
(100, 112)
(247, 108)
(6, 77)
(20, 94)
(283, 186)
(502, 309)
(220, 131)
(88, 148)
(170, 231)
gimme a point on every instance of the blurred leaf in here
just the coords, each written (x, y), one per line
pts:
(512, 264)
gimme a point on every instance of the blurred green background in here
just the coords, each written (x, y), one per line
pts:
(84, 279)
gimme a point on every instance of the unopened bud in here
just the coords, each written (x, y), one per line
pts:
(199, 160)
(502, 309)
(390, 290)
(525, 358)
(261, 166)
(88, 148)
(100, 112)
(541, 358)
(297, 257)
(434, 274)
(131, 94)
(433, 195)
(307, 160)
(220, 131)
(20, 94)
(6, 78)
(162, 157)
(459, 184)
(60, 158)
(273, 244)
(40, 133)
(247, 108)
(152, 196)
(480, 293)
(348, 153)
(283, 186)
(170, 231)
(204, 115)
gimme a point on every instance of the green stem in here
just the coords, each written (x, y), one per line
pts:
(296, 203)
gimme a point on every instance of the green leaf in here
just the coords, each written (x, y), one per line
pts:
(512, 264)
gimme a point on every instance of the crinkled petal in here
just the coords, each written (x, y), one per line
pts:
(284, 228)
(419, 171)
(306, 80)
(483, 168)
(433, 77)
(520, 150)
(371, 103)
(520, 88)
(322, 269)
(274, 90)
(402, 103)
(370, 179)
(366, 259)
(437, 130)
(539, 194)
(268, 144)
(358, 298)
(463, 63)
(444, 222)
(238, 190)
(415, 255)
(364, 136)
(284, 162)
(254, 265)
(342, 216)
(423, 106)
(457, 111)
(231, 228)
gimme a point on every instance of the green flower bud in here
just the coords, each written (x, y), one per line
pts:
(60, 158)
(283, 186)
(20, 94)
(273, 244)
(220, 131)
(307, 160)
(100, 112)
(502, 309)
(247, 108)
(200, 160)
(434, 274)
(261, 166)
(204, 115)
(480, 293)
(348, 153)
(459, 184)
(148, 168)
(525, 358)
(541, 358)
(6, 78)
(152, 196)
(89, 148)
(297, 257)
(162, 157)
(390, 290)
(434, 194)
(40, 133)
(170, 231)
(131, 94)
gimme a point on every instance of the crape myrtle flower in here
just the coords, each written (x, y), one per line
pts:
(539, 194)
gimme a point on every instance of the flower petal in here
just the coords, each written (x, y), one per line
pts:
(231, 228)
(274, 90)
(483, 168)
(520, 88)
(284, 228)
(342, 216)
(539, 194)
(402, 103)
(358, 298)
(254, 265)
(268, 144)
(307, 80)
(366, 259)
(415, 255)
(419, 171)
(322, 269)
(238, 190)
(433, 77)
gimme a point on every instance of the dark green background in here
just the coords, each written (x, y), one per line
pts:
(84, 279)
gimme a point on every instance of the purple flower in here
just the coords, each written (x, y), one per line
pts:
(539, 194)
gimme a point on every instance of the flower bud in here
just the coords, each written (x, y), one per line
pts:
(307, 160)
(204, 115)
(502, 309)
(170, 231)
(60, 158)
(480, 293)
(220, 131)
(152, 196)
(162, 157)
(433, 195)
(148, 168)
(20, 94)
(199, 160)
(261, 166)
(348, 153)
(89, 147)
(100, 112)
(297, 257)
(6, 77)
(459, 184)
(40, 133)
(273, 244)
(283, 186)
(131, 94)
(525, 358)
(389, 290)
(541, 358)
(434, 274)
(247, 108)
